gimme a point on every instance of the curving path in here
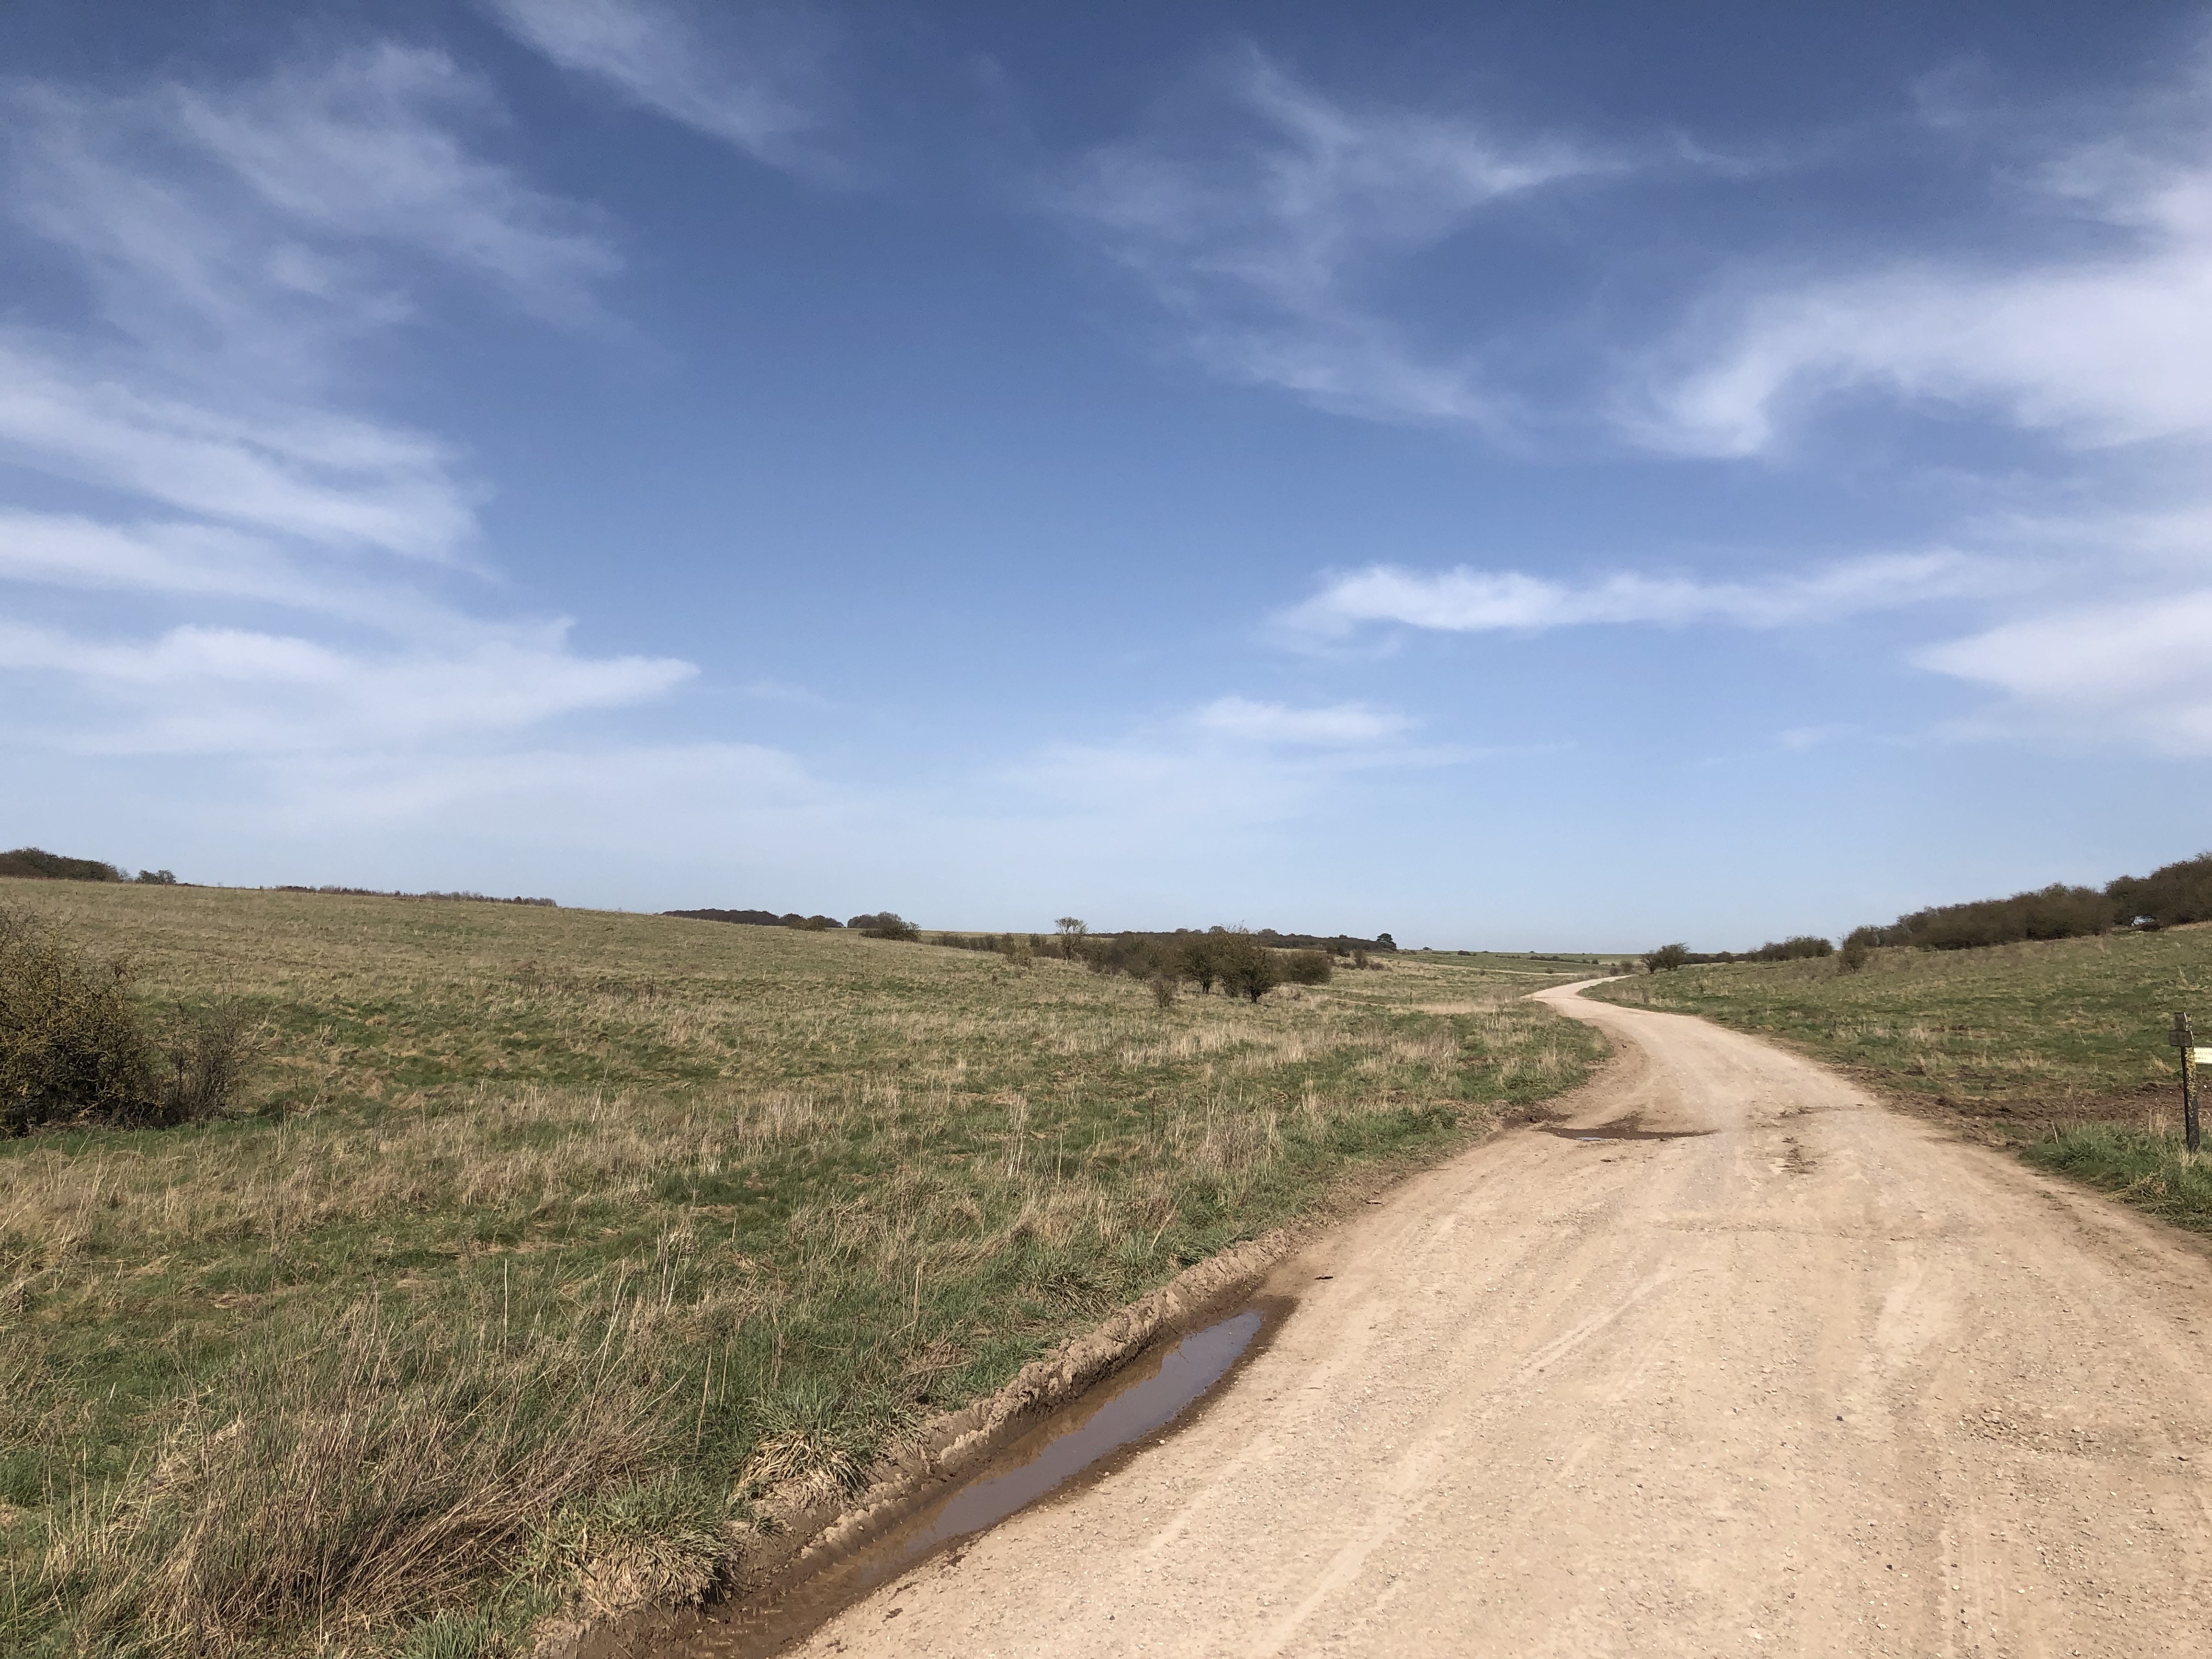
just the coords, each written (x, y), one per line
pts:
(1822, 1381)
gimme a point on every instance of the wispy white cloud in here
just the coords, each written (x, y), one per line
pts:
(750, 76)
(1467, 600)
(184, 560)
(294, 468)
(236, 241)
(1333, 725)
(260, 224)
(2091, 332)
(1263, 242)
(239, 692)
(2138, 674)
(2106, 340)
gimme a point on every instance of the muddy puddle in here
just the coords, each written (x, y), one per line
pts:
(1081, 1439)
(1621, 1128)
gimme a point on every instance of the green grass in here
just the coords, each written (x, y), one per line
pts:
(1552, 963)
(548, 1241)
(2057, 1050)
(2149, 1170)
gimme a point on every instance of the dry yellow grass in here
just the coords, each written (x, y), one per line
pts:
(548, 1227)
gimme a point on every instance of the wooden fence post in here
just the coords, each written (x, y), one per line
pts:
(2185, 1040)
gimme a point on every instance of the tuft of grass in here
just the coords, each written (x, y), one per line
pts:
(349, 1476)
(2149, 1170)
(453, 1636)
(540, 1243)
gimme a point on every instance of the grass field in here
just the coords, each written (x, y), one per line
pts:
(2057, 1049)
(547, 1241)
(1537, 961)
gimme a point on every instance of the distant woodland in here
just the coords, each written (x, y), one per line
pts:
(2171, 895)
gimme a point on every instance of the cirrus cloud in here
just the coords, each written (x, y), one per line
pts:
(1468, 600)
(1260, 213)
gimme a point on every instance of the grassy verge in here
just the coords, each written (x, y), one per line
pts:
(552, 1239)
(2056, 1049)
(2149, 1168)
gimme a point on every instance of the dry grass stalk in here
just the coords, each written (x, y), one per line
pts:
(573, 1233)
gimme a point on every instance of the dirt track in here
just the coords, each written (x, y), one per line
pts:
(1824, 1381)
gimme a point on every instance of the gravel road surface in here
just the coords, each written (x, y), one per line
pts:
(1821, 1379)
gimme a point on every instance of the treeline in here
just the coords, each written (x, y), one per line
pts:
(2169, 896)
(1234, 961)
(378, 892)
(1793, 949)
(36, 864)
(877, 924)
(1145, 956)
(1337, 945)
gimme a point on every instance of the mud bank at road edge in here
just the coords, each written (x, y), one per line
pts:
(810, 1537)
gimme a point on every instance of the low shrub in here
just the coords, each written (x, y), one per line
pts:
(72, 1044)
(892, 925)
(209, 1052)
(1247, 967)
(1234, 958)
(1019, 949)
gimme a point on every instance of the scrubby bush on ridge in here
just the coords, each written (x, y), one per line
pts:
(1236, 960)
(2171, 895)
(1795, 948)
(815, 924)
(36, 864)
(73, 1046)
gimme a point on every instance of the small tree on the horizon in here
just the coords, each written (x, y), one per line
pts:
(1666, 958)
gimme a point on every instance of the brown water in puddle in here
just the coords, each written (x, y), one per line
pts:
(1141, 1399)
(1621, 1128)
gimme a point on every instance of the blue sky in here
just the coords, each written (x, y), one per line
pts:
(1514, 475)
